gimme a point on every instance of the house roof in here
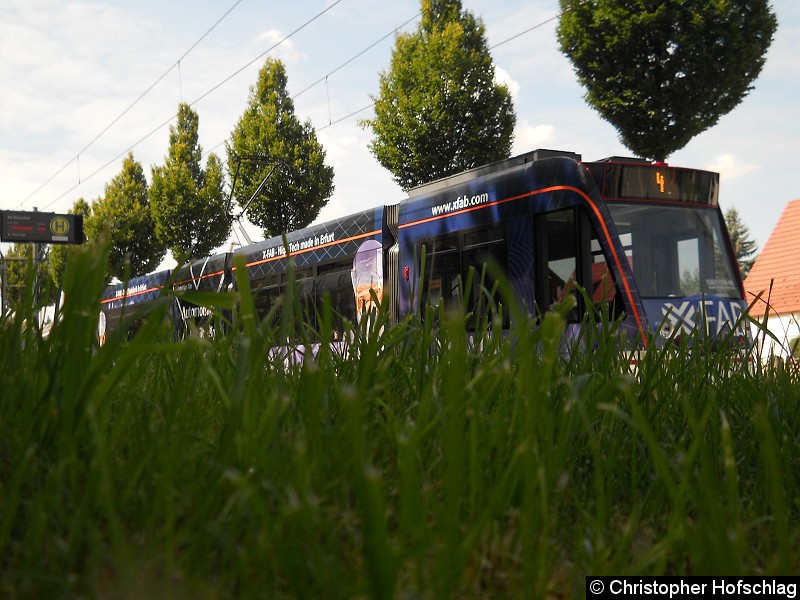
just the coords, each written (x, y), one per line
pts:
(776, 272)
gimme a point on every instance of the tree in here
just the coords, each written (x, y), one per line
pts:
(439, 110)
(301, 182)
(18, 271)
(663, 72)
(744, 248)
(123, 213)
(188, 203)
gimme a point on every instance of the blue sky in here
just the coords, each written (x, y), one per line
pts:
(84, 82)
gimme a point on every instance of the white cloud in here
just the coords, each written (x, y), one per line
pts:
(530, 137)
(285, 50)
(729, 167)
(503, 76)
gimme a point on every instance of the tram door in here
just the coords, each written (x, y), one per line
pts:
(568, 258)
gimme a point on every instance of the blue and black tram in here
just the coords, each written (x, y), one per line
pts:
(647, 240)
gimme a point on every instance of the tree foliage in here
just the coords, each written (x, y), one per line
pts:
(301, 182)
(663, 72)
(744, 247)
(188, 202)
(439, 110)
(123, 213)
(19, 267)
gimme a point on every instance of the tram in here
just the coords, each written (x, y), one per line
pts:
(646, 240)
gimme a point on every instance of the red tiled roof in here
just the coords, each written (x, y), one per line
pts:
(778, 267)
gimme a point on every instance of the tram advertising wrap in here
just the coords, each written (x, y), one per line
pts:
(646, 241)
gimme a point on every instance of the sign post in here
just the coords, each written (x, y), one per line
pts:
(41, 227)
(36, 228)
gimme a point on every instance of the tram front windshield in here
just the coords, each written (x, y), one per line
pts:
(676, 251)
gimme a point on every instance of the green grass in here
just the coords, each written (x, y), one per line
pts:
(410, 468)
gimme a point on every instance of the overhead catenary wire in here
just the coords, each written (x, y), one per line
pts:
(492, 47)
(537, 26)
(349, 60)
(525, 32)
(331, 72)
(128, 109)
(348, 116)
(331, 122)
(201, 97)
(267, 51)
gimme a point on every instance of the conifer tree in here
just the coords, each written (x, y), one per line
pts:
(744, 247)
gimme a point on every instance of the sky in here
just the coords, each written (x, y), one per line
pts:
(83, 83)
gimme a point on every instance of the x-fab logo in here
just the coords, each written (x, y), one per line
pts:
(715, 314)
(676, 316)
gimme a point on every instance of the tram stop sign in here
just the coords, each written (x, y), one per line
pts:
(41, 227)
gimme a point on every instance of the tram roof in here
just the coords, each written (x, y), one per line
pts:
(533, 155)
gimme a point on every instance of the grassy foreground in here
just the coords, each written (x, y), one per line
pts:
(407, 469)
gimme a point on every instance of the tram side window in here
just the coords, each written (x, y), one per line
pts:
(440, 282)
(344, 306)
(485, 250)
(336, 281)
(448, 260)
(603, 288)
(306, 295)
(269, 297)
(264, 299)
(562, 256)
(569, 256)
(484, 247)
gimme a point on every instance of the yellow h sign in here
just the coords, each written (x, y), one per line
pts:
(59, 226)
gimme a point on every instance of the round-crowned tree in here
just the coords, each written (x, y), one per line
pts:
(663, 72)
